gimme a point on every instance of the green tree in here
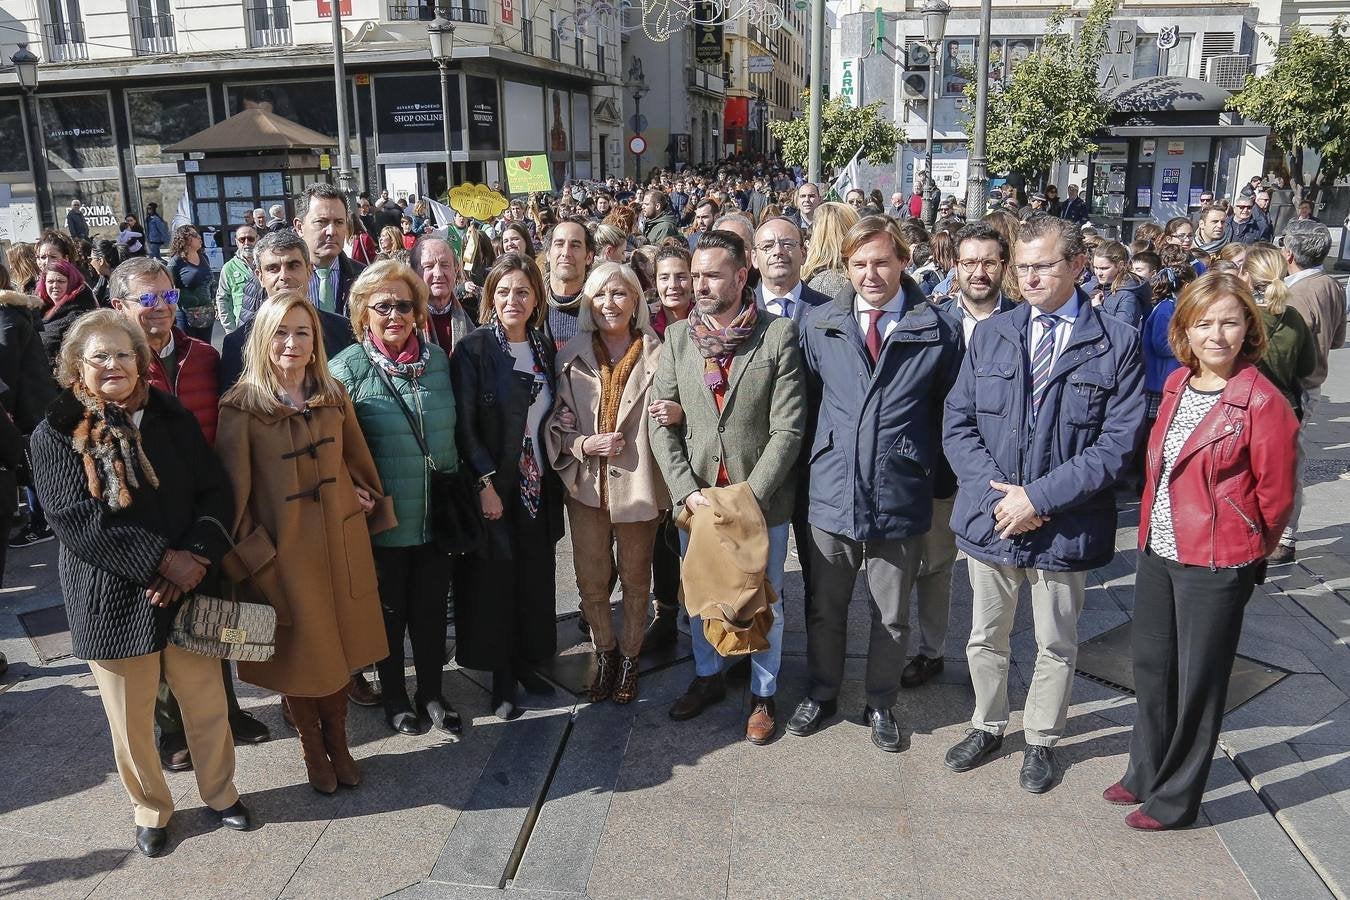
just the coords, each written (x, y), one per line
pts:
(1052, 106)
(843, 131)
(1305, 99)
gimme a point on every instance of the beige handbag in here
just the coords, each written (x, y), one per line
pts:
(225, 627)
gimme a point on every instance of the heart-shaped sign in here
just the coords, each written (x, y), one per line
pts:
(525, 164)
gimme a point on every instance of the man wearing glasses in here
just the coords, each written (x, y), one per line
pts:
(234, 277)
(1249, 225)
(1206, 200)
(1042, 422)
(185, 367)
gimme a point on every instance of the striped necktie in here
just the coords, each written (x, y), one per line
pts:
(1043, 360)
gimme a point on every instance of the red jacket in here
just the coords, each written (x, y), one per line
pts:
(1232, 487)
(195, 384)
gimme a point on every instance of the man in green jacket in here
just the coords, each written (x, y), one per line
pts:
(658, 216)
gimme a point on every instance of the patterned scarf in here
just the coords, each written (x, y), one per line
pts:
(613, 377)
(410, 363)
(531, 477)
(110, 444)
(718, 345)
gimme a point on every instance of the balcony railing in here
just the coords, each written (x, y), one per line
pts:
(704, 80)
(527, 36)
(65, 42)
(425, 12)
(153, 35)
(269, 24)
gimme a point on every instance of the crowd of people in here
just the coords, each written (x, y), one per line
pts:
(673, 375)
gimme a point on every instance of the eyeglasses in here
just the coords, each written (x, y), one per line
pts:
(245, 240)
(101, 360)
(970, 265)
(1041, 269)
(404, 307)
(148, 300)
(785, 243)
(1243, 206)
(1206, 199)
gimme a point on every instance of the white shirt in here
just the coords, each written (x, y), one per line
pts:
(892, 312)
(167, 350)
(1291, 280)
(774, 302)
(1067, 315)
(968, 320)
(524, 362)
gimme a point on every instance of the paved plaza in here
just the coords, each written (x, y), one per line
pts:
(576, 800)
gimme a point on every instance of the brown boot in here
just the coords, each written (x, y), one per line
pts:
(606, 670)
(626, 690)
(333, 718)
(305, 714)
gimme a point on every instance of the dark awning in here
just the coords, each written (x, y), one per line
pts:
(256, 128)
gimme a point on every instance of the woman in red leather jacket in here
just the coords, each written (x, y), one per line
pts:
(1219, 490)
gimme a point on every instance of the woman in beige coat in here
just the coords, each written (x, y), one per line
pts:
(307, 497)
(597, 441)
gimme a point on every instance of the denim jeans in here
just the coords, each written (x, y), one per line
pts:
(764, 664)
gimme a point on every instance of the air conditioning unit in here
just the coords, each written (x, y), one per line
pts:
(1227, 70)
(917, 56)
(914, 86)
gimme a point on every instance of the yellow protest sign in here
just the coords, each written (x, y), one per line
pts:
(477, 201)
(528, 173)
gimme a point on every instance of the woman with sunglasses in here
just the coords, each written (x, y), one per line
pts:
(399, 383)
(191, 273)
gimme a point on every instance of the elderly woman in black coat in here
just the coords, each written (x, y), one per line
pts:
(504, 391)
(140, 505)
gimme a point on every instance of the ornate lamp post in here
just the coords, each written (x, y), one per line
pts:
(934, 14)
(441, 36)
(26, 67)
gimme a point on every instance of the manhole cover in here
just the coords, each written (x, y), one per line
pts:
(49, 631)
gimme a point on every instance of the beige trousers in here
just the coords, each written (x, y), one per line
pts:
(128, 688)
(934, 582)
(592, 535)
(1056, 601)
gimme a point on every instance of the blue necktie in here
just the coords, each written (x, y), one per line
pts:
(1042, 361)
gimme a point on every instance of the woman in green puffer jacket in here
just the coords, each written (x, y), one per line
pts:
(1291, 354)
(388, 308)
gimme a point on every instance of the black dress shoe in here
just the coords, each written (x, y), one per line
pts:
(975, 748)
(248, 730)
(661, 633)
(885, 733)
(443, 716)
(703, 692)
(809, 715)
(235, 817)
(1038, 769)
(534, 683)
(404, 722)
(151, 841)
(920, 669)
(174, 755)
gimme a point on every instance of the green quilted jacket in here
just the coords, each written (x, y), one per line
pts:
(403, 470)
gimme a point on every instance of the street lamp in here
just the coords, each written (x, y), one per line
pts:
(637, 83)
(934, 14)
(441, 36)
(762, 107)
(977, 182)
(26, 67)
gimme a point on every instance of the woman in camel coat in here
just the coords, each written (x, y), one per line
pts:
(308, 497)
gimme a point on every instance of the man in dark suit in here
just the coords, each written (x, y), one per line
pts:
(779, 254)
(322, 221)
(283, 265)
(737, 375)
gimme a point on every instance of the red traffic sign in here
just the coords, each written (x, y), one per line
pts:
(637, 144)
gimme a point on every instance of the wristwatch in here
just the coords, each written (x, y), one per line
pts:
(485, 481)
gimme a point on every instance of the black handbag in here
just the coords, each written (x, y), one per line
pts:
(453, 511)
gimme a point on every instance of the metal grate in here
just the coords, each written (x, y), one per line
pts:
(1228, 71)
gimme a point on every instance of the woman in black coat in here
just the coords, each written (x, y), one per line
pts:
(65, 296)
(140, 505)
(504, 390)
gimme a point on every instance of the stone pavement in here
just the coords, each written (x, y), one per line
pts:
(604, 801)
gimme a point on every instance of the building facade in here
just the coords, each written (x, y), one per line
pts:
(117, 83)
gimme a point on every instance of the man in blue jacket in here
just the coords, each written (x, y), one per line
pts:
(879, 359)
(1043, 421)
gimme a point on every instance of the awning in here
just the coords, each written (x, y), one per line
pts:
(1167, 93)
(256, 128)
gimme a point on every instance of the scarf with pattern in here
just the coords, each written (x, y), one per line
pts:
(718, 345)
(531, 477)
(109, 443)
(410, 363)
(613, 377)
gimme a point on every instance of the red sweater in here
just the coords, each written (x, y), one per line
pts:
(195, 383)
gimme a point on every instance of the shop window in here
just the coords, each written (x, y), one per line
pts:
(167, 191)
(14, 151)
(309, 103)
(77, 131)
(102, 199)
(160, 117)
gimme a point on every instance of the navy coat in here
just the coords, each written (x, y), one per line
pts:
(1089, 427)
(808, 301)
(878, 431)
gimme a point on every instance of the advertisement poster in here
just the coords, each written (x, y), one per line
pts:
(1170, 190)
(558, 140)
(484, 131)
(707, 38)
(408, 114)
(528, 173)
(958, 59)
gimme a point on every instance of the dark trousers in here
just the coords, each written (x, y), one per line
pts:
(1187, 620)
(666, 565)
(414, 589)
(169, 717)
(801, 533)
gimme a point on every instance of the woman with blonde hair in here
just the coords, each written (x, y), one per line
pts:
(598, 443)
(23, 267)
(610, 243)
(307, 498)
(823, 269)
(399, 384)
(391, 245)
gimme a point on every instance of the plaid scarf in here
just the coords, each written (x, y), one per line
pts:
(110, 444)
(718, 345)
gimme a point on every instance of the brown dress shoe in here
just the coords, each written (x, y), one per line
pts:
(760, 728)
(362, 692)
(703, 692)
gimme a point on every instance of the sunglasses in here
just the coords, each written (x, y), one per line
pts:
(148, 300)
(403, 307)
